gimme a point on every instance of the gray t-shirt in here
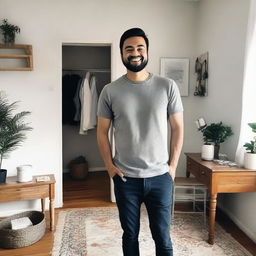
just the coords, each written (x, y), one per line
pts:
(139, 112)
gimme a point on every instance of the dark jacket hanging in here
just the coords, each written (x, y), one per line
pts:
(69, 87)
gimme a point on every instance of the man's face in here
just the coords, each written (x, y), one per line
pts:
(134, 56)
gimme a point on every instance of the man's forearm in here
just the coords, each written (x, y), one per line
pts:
(105, 150)
(175, 147)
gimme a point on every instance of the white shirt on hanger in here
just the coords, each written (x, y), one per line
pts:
(86, 101)
(94, 105)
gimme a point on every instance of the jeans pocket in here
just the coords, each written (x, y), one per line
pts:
(114, 176)
(171, 178)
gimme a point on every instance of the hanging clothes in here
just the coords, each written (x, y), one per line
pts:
(86, 101)
(77, 101)
(94, 103)
(69, 87)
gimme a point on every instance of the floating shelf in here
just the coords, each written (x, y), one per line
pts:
(27, 55)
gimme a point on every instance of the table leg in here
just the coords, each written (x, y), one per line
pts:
(213, 204)
(51, 214)
(43, 204)
(51, 206)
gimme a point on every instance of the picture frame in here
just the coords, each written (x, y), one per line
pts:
(201, 70)
(178, 70)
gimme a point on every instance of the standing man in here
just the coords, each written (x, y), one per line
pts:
(141, 105)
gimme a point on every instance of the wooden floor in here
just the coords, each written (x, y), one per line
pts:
(95, 192)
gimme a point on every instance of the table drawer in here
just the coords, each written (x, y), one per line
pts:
(24, 193)
(201, 173)
(204, 176)
(228, 183)
(192, 166)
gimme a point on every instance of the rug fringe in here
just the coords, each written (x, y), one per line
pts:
(58, 234)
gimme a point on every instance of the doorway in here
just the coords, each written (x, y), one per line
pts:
(80, 61)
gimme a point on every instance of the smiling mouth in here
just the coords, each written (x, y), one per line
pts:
(135, 59)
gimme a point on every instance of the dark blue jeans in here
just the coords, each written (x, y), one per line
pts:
(156, 193)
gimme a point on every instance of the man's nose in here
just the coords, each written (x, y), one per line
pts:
(135, 52)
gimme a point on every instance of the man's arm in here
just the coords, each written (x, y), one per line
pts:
(104, 146)
(176, 123)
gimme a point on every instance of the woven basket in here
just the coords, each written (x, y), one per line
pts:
(11, 239)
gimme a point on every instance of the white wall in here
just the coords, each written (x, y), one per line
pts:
(46, 24)
(222, 31)
(175, 28)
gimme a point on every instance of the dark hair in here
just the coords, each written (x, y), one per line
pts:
(130, 33)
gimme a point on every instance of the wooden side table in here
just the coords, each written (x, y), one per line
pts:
(219, 179)
(15, 191)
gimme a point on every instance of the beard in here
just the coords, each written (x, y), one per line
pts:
(135, 68)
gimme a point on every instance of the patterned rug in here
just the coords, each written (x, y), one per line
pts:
(97, 232)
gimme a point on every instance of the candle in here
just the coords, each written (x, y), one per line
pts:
(201, 122)
(197, 124)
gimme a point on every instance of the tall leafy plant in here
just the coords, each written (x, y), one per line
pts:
(216, 133)
(12, 127)
(251, 147)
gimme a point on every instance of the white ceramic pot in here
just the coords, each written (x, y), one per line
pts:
(24, 173)
(207, 152)
(250, 161)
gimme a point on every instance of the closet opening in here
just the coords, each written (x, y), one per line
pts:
(86, 69)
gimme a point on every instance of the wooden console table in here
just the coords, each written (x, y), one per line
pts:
(219, 179)
(14, 191)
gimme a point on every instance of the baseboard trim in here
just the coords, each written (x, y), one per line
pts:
(97, 169)
(239, 224)
(91, 169)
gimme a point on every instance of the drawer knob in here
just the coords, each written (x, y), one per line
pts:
(203, 172)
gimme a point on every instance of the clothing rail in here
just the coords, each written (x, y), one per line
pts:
(93, 70)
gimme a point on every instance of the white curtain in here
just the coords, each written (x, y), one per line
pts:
(249, 86)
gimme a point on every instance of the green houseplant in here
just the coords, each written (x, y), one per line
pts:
(12, 130)
(250, 155)
(216, 133)
(9, 32)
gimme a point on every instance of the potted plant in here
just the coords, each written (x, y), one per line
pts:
(216, 133)
(250, 155)
(9, 32)
(12, 130)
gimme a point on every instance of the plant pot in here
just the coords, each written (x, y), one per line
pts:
(79, 171)
(9, 38)
(3, 173)
(250, 161)
(216, 151)
(207, 152)
(24, 173)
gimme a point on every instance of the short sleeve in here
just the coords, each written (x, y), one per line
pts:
(174, 101)
(104, 105)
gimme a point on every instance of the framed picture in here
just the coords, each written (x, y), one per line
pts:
(178, 70)
(201, 69)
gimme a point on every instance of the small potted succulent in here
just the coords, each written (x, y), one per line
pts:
(250, 155)
(9, 32)
(12, 130)
(216, 133)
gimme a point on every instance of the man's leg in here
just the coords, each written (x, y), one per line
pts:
(158, 202)
(129, 198)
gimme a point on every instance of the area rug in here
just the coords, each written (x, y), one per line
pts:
(97, 232)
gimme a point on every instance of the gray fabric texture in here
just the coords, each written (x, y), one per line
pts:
(139, 112)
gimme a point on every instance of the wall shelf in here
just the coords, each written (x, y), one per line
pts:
(27, 55)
